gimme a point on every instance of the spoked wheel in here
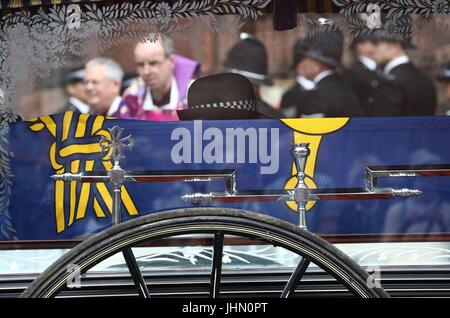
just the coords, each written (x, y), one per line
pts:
(217, 221)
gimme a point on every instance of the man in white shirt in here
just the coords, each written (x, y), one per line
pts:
(297, 101)
(365, 78)
(103, 79)
(322, 58)
(164, 78)
(74, 86)
(416, 91)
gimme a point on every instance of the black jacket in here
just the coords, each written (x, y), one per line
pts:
(297, 102)
(417, 91)
(376, 95)
(330, 98)
(268, 110)
(335, 98)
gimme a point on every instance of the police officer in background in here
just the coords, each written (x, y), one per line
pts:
(416, 93)
(376, 95)
(74, 86)
(324, 45)
(444, 78)
(299, 100)
(248, 57)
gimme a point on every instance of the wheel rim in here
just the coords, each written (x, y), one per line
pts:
(206, 220)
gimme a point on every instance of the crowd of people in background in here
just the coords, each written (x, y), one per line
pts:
(383, 81)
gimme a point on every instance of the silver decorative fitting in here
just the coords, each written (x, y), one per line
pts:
(67, 177)
(116, 174)
(197, 197)
(197, 179)
(300, 152)
(116, 144)
(406, 193)
(301, 194)
(301, 149)
(324, 21)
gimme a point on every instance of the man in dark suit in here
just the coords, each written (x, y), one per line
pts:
(299, 100)
(248, 57)
(332, 98)
(416, 91)
(376, 95)
(74, 86)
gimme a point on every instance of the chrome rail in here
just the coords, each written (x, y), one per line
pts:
(301, 194)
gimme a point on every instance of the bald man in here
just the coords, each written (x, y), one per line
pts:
(164, 78)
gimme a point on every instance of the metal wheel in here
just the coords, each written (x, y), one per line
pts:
(217, 221)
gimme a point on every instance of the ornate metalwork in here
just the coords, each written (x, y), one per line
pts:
(375, 172)
(301, 194)
(116, 176)
(114, 147)
(300, 152)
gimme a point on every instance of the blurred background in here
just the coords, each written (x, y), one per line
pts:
(42, 96)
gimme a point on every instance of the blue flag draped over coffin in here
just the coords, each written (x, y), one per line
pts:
(34, 207)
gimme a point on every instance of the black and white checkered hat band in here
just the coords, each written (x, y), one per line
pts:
(248, 105)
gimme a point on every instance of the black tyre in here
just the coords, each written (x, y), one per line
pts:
(205, 220)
